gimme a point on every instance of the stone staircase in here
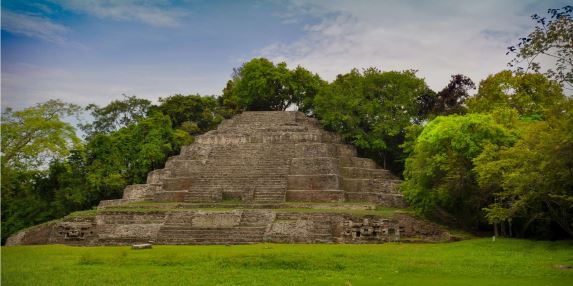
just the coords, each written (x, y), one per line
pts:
(185, 234)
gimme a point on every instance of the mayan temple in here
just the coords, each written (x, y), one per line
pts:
(259, 177)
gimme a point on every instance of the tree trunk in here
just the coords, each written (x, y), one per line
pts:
(526, 226)
(495, 233)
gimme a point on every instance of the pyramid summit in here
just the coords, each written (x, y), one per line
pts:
(270, 176)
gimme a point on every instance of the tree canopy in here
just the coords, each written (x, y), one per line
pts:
(532, 180)
(115, 115)
(261, 85)
(528, 93)
(194, 114)
(370, 109)
(551, 41)
(32, 135)
(439, 177)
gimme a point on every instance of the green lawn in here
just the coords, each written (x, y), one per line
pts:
(471, 262)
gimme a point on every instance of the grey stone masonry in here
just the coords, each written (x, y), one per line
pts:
(267, 157)
(238, 226)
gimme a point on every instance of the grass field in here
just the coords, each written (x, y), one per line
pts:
(470, 262)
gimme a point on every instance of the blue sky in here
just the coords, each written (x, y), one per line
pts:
(94, 51)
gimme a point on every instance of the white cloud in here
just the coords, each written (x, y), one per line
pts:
(25, 84)
(33, 26)
(438, 39)
(155, 13)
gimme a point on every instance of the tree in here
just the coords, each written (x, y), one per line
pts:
(30, 138)
(261, 85)
(34, 134)
(125, 156)
(439, 180)
(192, 113)
(528, 93)
(532, 180)
(450, 99)
(550, 41)
(117, 114)
(372, 109)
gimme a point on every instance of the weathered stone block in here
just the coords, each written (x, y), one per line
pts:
(343, 150)
(138, 192)
(39, 234)
(314, 165)
(185, 168)
(367, 185)
(305, 150)
(156, 176)
(390, 200)
(290, 231)
(195, 152)
(216, 219)
(364, 173)
(170, 196)
(315, 195)
(141, 246)
(313, 182)
(357, 162)
(177, 184)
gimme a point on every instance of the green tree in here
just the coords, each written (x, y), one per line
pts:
(533, 179)
(551, 41)
(115, 115)
(125, 156)
(372, 110)
(30, 138)
(35, 134)
(194, 114)
(528, 93)
(261, 85)
(439, 178)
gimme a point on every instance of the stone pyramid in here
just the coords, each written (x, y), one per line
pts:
(268, 157)
(259, 177)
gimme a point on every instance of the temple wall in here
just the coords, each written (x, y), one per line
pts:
(230, 227)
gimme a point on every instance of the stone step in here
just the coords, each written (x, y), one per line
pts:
(169, 196)
(314, 165)
(313, 182)
(176, 184)
(313, 149)
(366, 173)
(269, 200)
(256, 217)
(315, 196)
(203, 195)
(370, 185)
(266, 195)
(181, 234)
(259, 137)
(183, 168)
(392, 200)
(358, 162)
